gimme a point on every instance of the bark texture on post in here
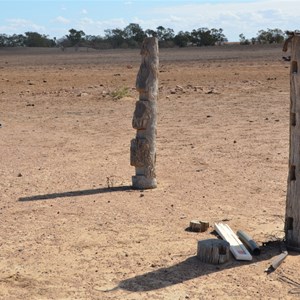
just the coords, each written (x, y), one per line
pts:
(292, 217)
(143, 147)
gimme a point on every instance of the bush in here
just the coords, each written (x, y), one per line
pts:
(120, 93)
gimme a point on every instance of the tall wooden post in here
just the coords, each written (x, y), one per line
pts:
(143, 147)
(292, 217)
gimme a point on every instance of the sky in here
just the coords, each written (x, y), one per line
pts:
(55, 18)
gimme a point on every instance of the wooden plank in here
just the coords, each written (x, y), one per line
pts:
(237, 248)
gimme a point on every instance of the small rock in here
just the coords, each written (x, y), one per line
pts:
(20, 175)
(225, 220)
(82, 94)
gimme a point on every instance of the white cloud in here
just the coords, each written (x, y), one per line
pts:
(62, 20)
(175, 19)
(97, 27)
(21, 25)
(233, 17)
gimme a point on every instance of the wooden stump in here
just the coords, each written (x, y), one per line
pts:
(213, 251)
(204, 225)
(195, 226)
(143, 147)
(198, 226)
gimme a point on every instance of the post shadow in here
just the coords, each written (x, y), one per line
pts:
(76, 193)
(186, 270)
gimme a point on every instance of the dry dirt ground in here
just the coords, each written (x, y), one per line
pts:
(72, 227)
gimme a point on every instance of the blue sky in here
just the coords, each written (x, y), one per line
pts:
(56, 17)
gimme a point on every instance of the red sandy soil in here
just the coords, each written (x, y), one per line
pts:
(72, 227)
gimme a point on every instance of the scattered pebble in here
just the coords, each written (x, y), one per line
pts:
(225, 220)
(82, 94)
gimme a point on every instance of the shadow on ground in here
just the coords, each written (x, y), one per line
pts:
(76, 193)
(186, 270)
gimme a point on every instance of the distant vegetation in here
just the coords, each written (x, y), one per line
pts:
(133, 35)
(269, 36)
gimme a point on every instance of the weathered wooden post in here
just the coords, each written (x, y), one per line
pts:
(143, 147)
(292, 217)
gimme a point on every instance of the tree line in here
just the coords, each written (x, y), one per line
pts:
(133, 35)
(269, 36)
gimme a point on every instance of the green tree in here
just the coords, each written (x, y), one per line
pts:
(218, 35)
(207, 37)
(3, 40)
(150, 32)
(134, 32)
(75, 37)
(182, 39)
(243, 40)
(201, 37)
(34, 39)
(16, 40)
(270, 36)
(164, 34)
(96, 42)
(116, 37)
